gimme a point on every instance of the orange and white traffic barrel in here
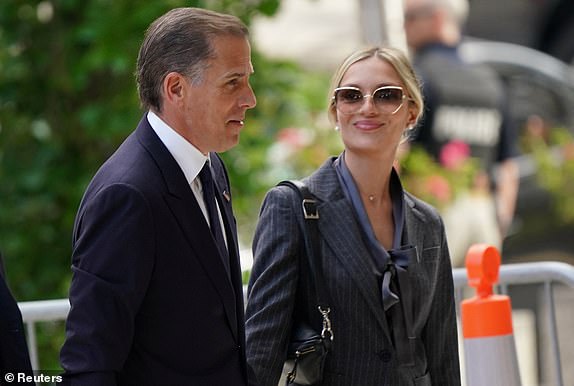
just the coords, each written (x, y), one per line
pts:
(489, 349)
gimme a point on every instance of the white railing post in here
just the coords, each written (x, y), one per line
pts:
(32, 344)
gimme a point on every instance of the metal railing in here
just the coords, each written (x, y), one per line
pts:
(41, 311)
(543, 273)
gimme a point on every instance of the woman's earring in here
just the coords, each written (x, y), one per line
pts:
(337, 128)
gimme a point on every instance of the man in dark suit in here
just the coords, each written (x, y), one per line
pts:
(156, 295)
(14, 356)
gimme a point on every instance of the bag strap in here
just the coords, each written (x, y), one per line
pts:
(310, 230)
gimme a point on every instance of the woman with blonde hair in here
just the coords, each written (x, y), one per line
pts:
(383, 252)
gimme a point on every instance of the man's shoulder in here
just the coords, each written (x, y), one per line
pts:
(129, 165)
(441, 60)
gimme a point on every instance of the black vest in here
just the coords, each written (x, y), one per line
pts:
(463, 103)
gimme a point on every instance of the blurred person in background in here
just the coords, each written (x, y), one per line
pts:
(383, 252)
(465, 116)
(156, 294)
(14, 356)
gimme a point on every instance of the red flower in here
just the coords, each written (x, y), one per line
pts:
(439, 187)
(453, 154)
(293, 137)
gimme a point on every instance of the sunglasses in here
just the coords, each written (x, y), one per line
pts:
(387, 99)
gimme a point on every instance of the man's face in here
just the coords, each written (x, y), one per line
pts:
(214, 109)
(418, 22)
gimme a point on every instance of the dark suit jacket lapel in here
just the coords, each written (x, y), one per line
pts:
(340, 230)
(186, 210)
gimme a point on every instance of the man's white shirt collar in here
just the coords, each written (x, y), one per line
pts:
(187, 156)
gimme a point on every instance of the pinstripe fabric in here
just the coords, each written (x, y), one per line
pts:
(362, 351)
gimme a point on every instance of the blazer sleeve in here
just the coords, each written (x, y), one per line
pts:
(440, 335)
(111, 266)
(14, 356)
(272, 286)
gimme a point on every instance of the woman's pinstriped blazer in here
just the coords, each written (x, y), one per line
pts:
(362, 353)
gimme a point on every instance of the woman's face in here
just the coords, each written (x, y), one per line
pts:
(368, 128)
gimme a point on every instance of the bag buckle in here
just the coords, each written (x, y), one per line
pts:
(310, 209)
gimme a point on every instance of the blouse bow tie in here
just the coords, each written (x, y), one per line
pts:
(396, 266)
(396, 283)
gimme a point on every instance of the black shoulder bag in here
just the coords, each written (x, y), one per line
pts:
(307, 348)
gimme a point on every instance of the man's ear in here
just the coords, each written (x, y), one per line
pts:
(173, 88)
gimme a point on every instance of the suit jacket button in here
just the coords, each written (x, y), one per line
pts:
(385, 355)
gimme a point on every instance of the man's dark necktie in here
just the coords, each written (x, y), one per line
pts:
(208, 187)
